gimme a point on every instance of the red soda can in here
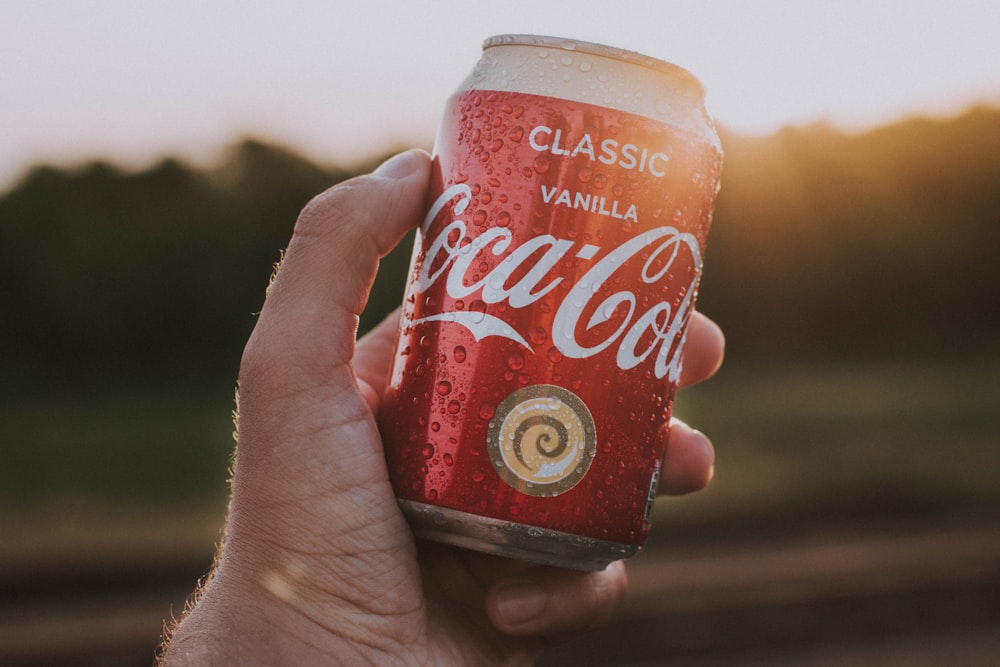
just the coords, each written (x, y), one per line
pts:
(550, 288)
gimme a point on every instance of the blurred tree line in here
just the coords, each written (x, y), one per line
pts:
(824, 246)
(883, 243)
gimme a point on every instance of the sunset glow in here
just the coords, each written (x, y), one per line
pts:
(129, 82)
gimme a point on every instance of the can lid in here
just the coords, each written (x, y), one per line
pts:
(593, 48)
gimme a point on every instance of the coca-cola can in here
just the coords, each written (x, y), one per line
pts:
(550, 288)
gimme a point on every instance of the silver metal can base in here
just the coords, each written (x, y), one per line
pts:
(513, 540)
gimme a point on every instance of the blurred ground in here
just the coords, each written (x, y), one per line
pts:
(854, 520)
(914, 594)
(918, 593)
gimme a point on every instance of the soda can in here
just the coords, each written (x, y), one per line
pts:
(550, 288)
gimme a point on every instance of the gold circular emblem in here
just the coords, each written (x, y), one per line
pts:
(542, 440)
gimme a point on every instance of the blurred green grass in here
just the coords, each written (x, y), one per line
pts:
(163, 448)
(840, 443)
(113, 475)
(813, 445)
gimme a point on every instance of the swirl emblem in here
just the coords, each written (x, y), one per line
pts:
(542, 440)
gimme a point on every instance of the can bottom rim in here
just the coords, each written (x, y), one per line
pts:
(513, 540)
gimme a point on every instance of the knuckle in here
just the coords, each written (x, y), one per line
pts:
(328, 212)
(342, 216)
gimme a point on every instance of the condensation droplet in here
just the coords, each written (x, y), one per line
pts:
(443, 388)
(538, 335)
(515, 361)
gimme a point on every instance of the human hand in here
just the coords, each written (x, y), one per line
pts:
(318, 565)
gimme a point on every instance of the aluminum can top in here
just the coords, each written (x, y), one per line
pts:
(596, 74)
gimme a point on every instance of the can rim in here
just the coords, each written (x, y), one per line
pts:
(594, 48)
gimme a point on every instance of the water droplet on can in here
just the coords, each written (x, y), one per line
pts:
(515, 361)
(538, 335)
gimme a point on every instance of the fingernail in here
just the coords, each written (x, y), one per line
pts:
(398, 166)
(518, 604)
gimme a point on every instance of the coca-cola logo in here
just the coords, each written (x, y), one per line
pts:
(657, 333)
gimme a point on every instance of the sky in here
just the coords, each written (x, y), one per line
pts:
(132, 81)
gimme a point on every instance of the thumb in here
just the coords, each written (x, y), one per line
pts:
(323, 281)
(300, 413)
